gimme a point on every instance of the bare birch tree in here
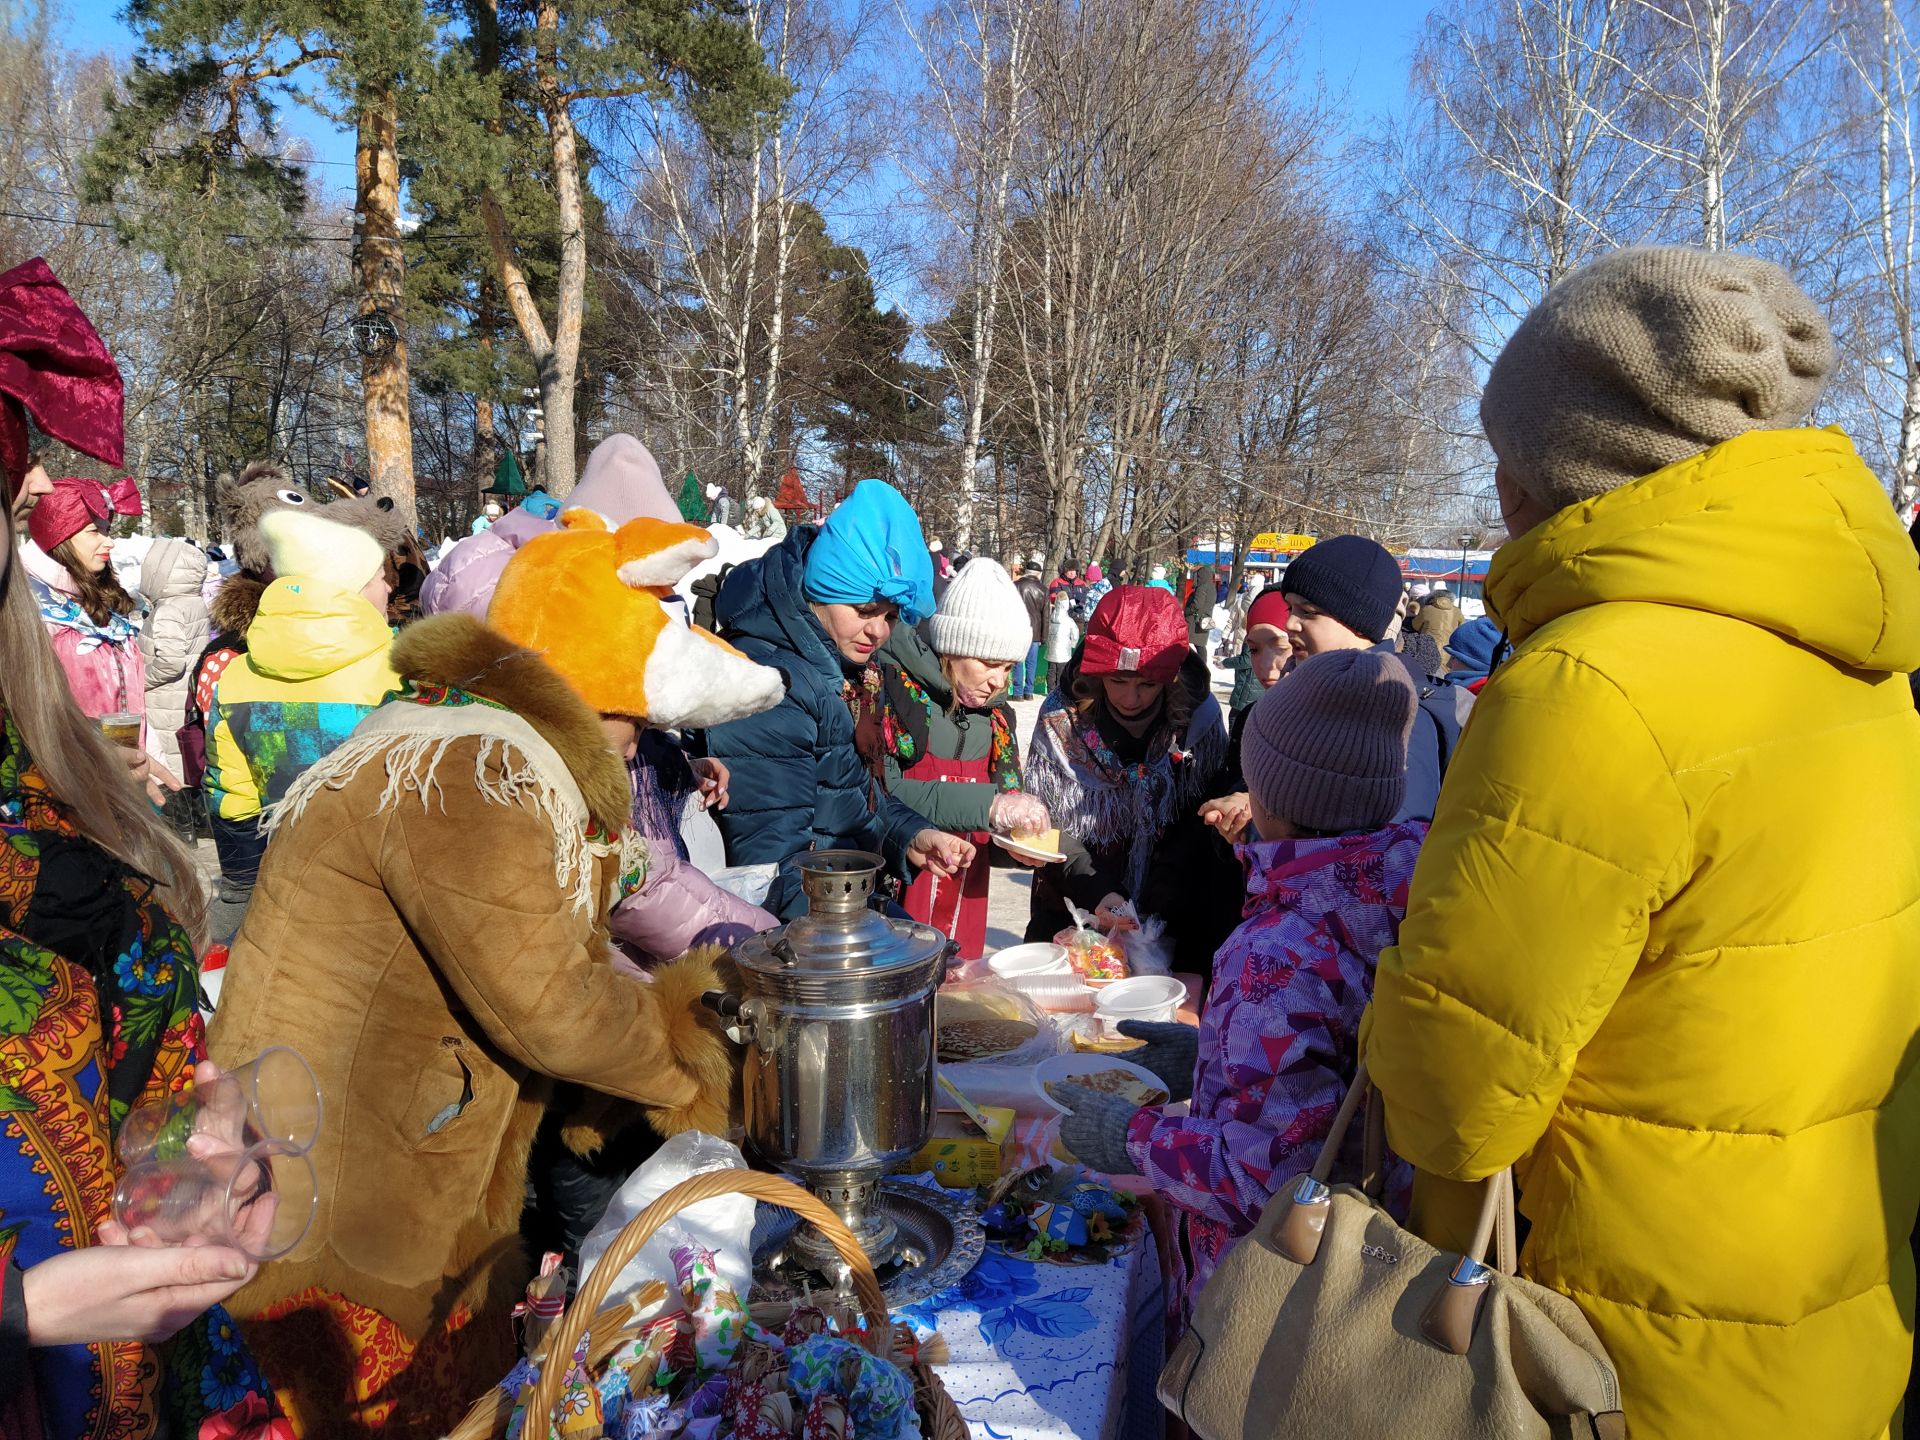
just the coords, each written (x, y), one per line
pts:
(725, 221)
(974, 55)
(1520, 160)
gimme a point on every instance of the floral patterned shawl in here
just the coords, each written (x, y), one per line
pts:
(98, 1011)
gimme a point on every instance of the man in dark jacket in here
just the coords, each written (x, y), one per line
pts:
(1199, 608)
(1342, 594)
(1033, 595)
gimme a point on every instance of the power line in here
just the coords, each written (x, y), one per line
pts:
(415, 237)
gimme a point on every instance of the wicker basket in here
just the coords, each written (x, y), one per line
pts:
(940, 1418)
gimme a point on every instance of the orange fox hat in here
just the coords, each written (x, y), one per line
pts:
(588, 600)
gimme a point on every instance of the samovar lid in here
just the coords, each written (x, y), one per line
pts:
(840, 931)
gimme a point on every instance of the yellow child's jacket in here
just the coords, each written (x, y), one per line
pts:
(1663, 949)
(316, 666)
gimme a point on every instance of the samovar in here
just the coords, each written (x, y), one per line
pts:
(837, 1013)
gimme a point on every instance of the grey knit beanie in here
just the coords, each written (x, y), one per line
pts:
(1645, 357)
(1326, 747)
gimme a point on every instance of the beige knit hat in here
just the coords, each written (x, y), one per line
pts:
(982, 616)
(1645, 357)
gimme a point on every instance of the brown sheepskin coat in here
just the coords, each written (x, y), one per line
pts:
(439, 972)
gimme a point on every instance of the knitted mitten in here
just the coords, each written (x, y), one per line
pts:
(1170, 1052)
(1096, 1129)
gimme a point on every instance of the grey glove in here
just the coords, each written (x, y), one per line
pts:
(1096, 1128)
(1170, 1052)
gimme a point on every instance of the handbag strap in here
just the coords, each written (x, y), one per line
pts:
(1496, 1226)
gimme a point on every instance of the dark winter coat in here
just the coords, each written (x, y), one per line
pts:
(797, 782)
(1199, 609)
(1034, 596)
(1436, 732)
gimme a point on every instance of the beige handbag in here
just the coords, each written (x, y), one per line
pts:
(1330, 1320)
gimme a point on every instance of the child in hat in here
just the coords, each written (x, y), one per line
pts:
(1327, 882)
(94, 623)
(1268, 655)
(1344, 593)
(1125, 749)
(951, 749)
(1473, 651)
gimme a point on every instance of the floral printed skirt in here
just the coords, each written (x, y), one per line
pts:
(342, 1369)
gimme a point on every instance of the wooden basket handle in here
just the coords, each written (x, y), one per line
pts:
(564, 1338)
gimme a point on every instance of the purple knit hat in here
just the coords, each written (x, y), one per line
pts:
(1326, 747)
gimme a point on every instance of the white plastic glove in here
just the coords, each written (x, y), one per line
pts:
(1014, 812)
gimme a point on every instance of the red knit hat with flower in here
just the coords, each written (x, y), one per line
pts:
(1136, 630)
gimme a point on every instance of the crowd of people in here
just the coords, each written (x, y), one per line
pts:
(1617, 885)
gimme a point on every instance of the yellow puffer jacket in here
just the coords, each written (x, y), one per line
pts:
(1664, 944)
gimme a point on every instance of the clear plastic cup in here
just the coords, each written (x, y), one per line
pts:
(122, 727)
(272, 1097)
(260, 1200)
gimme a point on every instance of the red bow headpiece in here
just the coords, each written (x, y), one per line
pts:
(55, 367)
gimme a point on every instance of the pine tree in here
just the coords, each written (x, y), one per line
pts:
(200, 116)
(693, 500)
(512, 94)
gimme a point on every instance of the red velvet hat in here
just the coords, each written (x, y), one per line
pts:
(55, 367)
(74, 503)
(1138, 630)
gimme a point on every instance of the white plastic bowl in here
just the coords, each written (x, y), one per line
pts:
(1036, 958)
(1139, 997)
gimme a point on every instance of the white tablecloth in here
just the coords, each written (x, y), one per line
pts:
(1041, 1350)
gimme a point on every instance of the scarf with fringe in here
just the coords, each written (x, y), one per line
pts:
(1102, 800)
(411, 733)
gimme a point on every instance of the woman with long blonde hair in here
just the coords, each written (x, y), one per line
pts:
(98, 989)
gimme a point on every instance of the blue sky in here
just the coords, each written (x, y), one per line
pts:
(1360, 47)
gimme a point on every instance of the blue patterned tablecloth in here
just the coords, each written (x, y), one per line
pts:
(1039, 1350)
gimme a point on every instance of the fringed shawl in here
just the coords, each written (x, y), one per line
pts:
(1103, 800)
(514, 765)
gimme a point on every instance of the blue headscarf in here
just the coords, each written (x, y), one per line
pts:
(871, 548)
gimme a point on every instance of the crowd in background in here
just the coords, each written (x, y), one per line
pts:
(1558, 873)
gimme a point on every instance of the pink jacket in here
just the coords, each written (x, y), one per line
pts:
(679, 906)
(467, 574)
(102, 662)
(1278, 1037)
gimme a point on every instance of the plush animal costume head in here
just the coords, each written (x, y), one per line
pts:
(588, 599)
(263, 487)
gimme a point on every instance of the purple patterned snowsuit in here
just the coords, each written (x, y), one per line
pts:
(1278, 1036)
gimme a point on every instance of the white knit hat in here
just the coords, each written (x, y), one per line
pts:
(982, 616)
(305, 545)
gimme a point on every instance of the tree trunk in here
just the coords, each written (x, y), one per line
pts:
(559, 369)
(383, 377)
(555, 353)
